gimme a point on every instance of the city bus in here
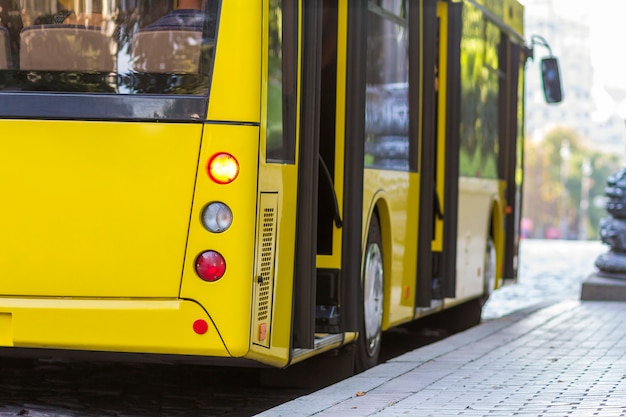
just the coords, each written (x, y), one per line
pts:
(253, 182)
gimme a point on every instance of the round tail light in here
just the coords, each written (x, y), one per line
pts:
(210, 266)
(223, 168)
(217, 217)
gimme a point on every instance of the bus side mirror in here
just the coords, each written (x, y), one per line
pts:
(551, 80)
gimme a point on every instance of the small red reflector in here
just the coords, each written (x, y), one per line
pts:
(210, 266)
(200, 326)
(406, 291)
(223, 168)
(262, 332)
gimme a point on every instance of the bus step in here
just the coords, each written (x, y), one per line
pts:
(436, 289)
(327, 319)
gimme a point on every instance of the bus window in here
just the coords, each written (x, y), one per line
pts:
(480, 81)
(275, 83)
(112, 46)
(10, 26)
(5, 52)
(281, 90)
(387, 99)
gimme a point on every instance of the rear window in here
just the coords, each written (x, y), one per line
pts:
(108, 46)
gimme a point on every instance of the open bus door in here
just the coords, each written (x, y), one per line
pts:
(324, 290)
(308, 184)
(440, 151)
(513, 57)
(303, 179)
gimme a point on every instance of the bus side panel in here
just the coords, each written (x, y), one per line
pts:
(228, 300)
(236, 75)
(476, 198)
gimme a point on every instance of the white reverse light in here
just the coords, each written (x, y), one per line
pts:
(217, 217)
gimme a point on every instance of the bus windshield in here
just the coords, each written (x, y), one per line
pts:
(107, 46)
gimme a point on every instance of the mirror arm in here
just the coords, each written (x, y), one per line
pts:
(538, 40)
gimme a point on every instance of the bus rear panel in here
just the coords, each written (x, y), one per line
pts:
(128, 218)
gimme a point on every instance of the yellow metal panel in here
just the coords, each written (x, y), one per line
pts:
(501, 209)
(237, 70)
(514, 16)
(150, 326)
(228, 301)
(6, 329)
(95, 209)
(476, 197)
(442, 13)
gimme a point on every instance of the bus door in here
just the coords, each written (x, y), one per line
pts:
(321, 169)
(300, 185)
(301, 180)
(446, 148)
(512, 57)
(309, 160)
(330, 179)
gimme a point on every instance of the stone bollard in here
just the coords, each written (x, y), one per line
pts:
(609, 283)
(613, 229)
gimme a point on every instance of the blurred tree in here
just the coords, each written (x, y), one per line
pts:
(553, 184)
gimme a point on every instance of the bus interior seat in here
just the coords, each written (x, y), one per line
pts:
(173, 51)
(65, 48)
(5, 49)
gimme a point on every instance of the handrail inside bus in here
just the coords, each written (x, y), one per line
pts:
(329, 178)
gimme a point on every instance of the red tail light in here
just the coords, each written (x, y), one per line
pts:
(210, 266)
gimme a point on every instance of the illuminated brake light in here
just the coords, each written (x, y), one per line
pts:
(223, 168)
(210, 266)
(217, 217)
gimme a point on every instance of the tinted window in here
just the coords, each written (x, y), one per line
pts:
(387, 100)
(110, 46)
(281, 84)
(480, 82)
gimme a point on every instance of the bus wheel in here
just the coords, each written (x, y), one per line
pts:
(368, 343)
(490, 269)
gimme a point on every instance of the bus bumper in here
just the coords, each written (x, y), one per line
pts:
(140, 326)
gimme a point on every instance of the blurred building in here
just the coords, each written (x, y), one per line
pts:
(593, 111)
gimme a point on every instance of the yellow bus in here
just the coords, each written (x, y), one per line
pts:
(253, 181)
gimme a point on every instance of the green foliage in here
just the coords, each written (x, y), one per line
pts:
(555, 184)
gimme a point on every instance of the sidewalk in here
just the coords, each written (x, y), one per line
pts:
(567, 359)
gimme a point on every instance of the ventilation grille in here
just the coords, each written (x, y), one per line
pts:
(264, 272)
(267, 261)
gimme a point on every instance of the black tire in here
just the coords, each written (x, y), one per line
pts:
(368, 343)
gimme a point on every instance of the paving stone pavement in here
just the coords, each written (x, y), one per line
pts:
(550, 270)
(565, 359)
